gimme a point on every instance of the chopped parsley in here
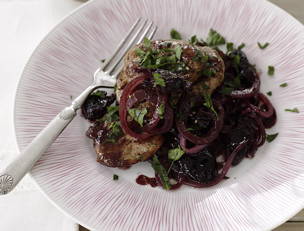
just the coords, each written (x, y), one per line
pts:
(175, 154)
(230, 47)
(111, 115)
(215, 39)
(147, 42)
(158, 80)
(208, 72)
(103, 60)
(193, 40)
(175, 34)
(178, 52)
(161, 111)
(208, 103)
(240, 47)
(161, 171)
(115, 177)
(138, 115)
(165, 58)
(114, 132)
(200, 57)
(237, 60)
(263, 46)
(271, 137)
(295, 110)
(269, 93)
(283, 85)
(99, 93)
(271, 70)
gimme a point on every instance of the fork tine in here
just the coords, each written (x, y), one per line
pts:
(145, 33)
(120, 45)
(131, 43)
(152, 33)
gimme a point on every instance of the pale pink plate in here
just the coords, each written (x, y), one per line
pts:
(260, 194)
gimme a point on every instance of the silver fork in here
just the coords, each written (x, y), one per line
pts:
(104, 77)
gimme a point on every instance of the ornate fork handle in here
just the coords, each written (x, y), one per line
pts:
(11, 174)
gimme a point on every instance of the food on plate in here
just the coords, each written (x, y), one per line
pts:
(187, 107)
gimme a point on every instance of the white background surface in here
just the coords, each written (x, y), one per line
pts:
(23, 24)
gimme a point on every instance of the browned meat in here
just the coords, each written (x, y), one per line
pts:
(133, 70)
(127, 151)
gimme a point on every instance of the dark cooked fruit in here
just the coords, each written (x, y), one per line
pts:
(243, 132)
(200, 167)
(95, 106)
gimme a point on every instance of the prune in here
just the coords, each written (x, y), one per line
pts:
(201, 167)
(246, 71)
(243, 132)
(171, 142)
(200, 120)
(95, 106)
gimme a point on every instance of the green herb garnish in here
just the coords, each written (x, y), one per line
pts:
(269, 93)
(114, 132)
(147, 42)
(240, 47)
(158, 80)
(271, 70)
(115, 177)
(99, 93)
(111, 115)
(200, 57)
(175, 34)
(263, 46)
(138, 115)
(295, 110)
(215, 39)
(178, 52)
(283, 85)
(193, 40)
(161, 171)
(161, 111)
(175, 154)
(103, 60)
(139, 52)
(237, 60)
(208, 72)
(271, 137)
(208, 103)
(230, 47)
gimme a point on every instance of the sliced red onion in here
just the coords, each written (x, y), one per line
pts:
(263, 100)
(139, 96)
(249, 92)
(193, 150)
(168, 122)
(123, 110)
(130, 97)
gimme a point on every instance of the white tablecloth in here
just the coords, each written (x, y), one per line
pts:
(23, 24)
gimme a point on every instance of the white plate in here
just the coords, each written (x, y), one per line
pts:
(261, 193)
